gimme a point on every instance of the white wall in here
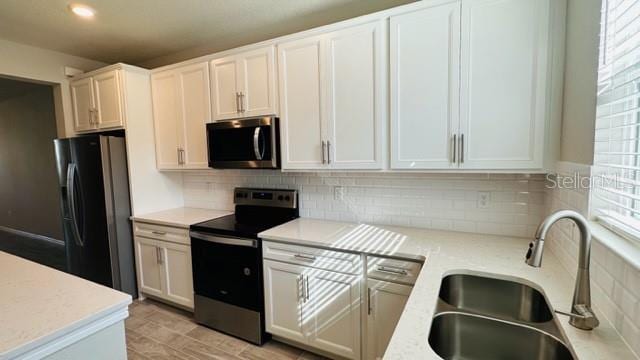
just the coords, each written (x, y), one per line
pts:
(32, 63)
(580, 79)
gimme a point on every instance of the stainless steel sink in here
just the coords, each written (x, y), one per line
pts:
(464, 336)
(503, 299)
(482, 317)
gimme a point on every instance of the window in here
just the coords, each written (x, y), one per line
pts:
(616, 195)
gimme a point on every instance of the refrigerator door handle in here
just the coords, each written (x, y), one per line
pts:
(71, 187)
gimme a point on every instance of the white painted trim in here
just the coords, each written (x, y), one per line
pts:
(623, 247)
(32, 235)
(48, 345)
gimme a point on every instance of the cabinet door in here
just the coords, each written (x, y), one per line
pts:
(149, 266)
(301, 103)
(224, 87)
(257, 82)
(356, 87)
(331, 315)
(166, 117)
(386, 302)
(195, 104)
(425, 73)
(176, 261)
(108, 100)
(504, 61)
(83, 105)
(283, 300)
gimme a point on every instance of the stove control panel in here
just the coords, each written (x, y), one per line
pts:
(266, 197)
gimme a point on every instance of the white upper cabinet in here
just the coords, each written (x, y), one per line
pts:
(166, 118)
(471, 84)
(97, 101)
(224, 80)
(108, 99)
(82, 100)
(181, 110)
(505, 47)
(424, 83)
(258, 82)
(356, 70)
(301, 103)
(244, 85)
(196, 113)
(332, 99)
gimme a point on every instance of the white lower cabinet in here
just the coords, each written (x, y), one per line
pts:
(386, 300)
(164, 270)
(313, 298)
(314, 307)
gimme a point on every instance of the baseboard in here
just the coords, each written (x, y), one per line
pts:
(31, 235)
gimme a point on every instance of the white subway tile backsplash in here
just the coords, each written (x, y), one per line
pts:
(438, 201)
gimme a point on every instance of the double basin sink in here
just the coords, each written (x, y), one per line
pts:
(479, 317)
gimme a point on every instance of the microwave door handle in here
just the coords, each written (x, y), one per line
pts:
(256, 143)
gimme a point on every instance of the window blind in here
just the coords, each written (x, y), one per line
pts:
(616, 190)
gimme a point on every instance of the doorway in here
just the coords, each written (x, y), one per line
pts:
(30, 220)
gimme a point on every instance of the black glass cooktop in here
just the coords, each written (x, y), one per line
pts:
(245, 222)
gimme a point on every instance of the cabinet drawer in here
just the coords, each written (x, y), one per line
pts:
(400, 271)
(160, 232)
(313, 257)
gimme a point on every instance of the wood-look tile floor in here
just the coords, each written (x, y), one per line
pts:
(156, 331)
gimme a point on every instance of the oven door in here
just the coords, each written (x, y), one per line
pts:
(243, 143)
(228, 269)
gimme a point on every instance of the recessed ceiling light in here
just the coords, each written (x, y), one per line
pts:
(82, 10)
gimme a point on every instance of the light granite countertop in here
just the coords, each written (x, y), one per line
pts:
(181, 217)
(40, 305)
(444, 253)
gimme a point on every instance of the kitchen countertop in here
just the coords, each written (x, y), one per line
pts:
(447, 252)
(40, 305)
(181, 217)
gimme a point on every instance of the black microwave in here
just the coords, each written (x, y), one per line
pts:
(251, 143)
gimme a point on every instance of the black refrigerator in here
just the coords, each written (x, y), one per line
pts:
(94, 192)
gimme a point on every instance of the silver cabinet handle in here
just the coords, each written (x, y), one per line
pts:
(242, 109)
(158, 232)
(307, 282)
(237, 102)
(323, 150)
(453, 148)
(328, 152)
(158, 255)
(368, 301)
(256, 143)
(393, 271)
(298, 286)
(305, 257)
(461, 148)
(180, 156)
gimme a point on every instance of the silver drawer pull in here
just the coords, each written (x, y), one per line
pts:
(394, 271)
(158, 232)
(305, 257)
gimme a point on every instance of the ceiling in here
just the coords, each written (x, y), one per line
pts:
(11, 88)
(155, 32)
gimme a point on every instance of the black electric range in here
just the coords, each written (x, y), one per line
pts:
(227, 262)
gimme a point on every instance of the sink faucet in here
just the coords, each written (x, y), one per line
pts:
(582, 316)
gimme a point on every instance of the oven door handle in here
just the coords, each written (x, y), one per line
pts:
(224, 240)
